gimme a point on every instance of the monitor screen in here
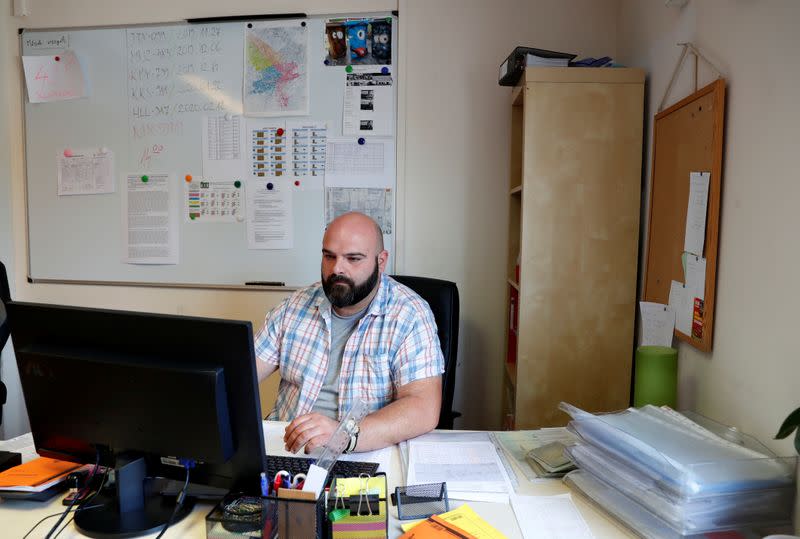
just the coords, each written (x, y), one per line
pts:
(119, 385)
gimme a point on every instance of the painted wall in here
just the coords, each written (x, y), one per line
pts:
(750, 378)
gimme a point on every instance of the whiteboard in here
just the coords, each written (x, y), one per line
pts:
(80, 237)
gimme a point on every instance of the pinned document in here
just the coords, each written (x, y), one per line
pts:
(658, 324)
(696, 212)
(681, 303)
(54, 77)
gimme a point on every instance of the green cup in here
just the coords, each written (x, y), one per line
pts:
(656, 376)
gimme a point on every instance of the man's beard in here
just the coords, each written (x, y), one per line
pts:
(345, 296)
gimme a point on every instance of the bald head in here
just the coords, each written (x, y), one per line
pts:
(358, 226)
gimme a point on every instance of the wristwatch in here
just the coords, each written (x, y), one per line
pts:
(353, 439)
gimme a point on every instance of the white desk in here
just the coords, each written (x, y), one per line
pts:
(17, 517)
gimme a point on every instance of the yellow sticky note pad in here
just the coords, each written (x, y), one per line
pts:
(352, 486)
(466, 519)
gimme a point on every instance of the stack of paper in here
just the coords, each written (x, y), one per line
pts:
(549, 460)
(465, 520)
(472, 470)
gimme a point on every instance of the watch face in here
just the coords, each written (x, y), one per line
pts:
(350, 425)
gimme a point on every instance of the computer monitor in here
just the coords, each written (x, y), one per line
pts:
(141, 391)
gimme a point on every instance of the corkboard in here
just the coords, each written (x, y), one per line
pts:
(687, 137)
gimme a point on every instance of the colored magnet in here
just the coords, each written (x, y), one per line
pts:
(279, 132)
(237, 184)
(67, 153)
(58, 58)
(327, 62)
(145, 178)
(361, 141)
(349, 69)
(297, 183)
(385, 70)
(270, 186)
(188, 178)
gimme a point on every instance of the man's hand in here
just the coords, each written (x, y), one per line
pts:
(310, 430)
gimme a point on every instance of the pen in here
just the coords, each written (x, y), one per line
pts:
(265, 283)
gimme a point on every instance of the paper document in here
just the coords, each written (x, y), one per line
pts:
(268, 149)
(213, 200)
(270, 222)
(276, 60)
(150, 219)
(549, 517)
(223, 143)
(696, 212)
(376, 203)
(350, 164)
(696, 276)
(682, 305)
(308, 141)
(85, 172)
(55, 77)
(368, 103)
(468, 467)
(658, 324)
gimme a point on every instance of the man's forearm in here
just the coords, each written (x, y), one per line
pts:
(404, 418)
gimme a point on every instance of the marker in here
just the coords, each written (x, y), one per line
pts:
(265, 283)
(264, 485)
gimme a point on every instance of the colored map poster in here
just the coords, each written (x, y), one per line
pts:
(276, 69)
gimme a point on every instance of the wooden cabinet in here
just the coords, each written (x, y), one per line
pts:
(574, 206)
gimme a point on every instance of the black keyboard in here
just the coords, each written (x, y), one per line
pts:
(296, 465)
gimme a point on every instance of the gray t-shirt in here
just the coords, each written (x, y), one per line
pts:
(341, 328)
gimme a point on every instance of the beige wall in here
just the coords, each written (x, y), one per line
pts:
(453, 171)
(750, 378)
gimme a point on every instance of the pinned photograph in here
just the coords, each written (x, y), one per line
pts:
(358, 41)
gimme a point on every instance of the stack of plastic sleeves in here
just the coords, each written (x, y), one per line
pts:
(665, 475)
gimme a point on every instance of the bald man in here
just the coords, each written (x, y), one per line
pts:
(356, 334)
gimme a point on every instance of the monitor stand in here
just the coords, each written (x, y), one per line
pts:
(131, 509)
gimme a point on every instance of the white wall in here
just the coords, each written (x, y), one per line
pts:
(453, 179)
(750, 378)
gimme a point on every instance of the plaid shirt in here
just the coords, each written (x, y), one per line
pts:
(394, 343)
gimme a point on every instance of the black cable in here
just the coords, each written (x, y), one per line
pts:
(75, 499)
(82, 504)
(55, 515)
(178, 504)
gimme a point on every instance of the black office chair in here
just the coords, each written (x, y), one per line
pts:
(442, 296)
(5, 297)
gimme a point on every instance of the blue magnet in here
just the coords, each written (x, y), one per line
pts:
(385, 70)
(327, 62)
(361, 140)
(270, 186)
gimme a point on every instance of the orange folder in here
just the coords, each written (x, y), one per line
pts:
(36, 472)
(436, 528)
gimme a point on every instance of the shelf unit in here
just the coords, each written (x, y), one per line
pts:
(574, 205)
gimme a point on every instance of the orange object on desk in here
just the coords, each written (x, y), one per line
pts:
(434, 528)
(36, 472)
